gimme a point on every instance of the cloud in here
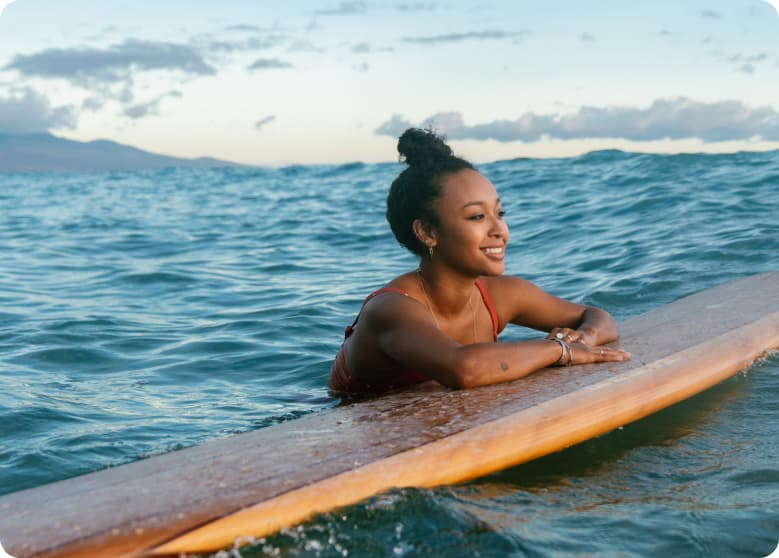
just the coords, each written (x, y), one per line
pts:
(345, 8)
(745, 64)
(415, 7)
(139, 111)
(361, 48)
(268, 64)
(470, 36)
(395, 126)
(677, 118)
(710, 14)
(259, 40)
(28, 112)
(243, 27)
(757, 57)
(365, 48)
(252, 43)
(88, 65)
(263, 121)
(149, 108)
(303, 45)
(357, 7)
(586, 38)
(92, 104)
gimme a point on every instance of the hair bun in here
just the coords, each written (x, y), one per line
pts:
(420, 147)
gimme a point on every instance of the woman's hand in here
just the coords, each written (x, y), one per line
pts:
(583, 353)
(568, 335)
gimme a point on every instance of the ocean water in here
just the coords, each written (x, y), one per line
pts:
(142, 312)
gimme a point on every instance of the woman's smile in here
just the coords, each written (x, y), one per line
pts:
(495, 252)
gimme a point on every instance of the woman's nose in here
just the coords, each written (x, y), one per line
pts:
(499, 227)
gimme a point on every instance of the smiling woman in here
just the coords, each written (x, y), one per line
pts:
(442, 320)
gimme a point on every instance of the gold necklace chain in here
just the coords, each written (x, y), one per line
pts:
(430, 306)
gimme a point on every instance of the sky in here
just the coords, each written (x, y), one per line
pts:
(328, 81)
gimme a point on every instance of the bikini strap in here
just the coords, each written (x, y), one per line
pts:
(490, 308)
(350, 328)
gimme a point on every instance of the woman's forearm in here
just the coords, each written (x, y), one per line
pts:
(492, 363)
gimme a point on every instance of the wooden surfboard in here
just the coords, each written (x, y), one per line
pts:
(201, 499)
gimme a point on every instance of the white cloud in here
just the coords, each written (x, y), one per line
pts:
(83, 66)
(486, 35)
(677, 118)
(264, 121)
(268, 64)
(149, 108)
(415, 7)
(710, 14)
(29, 112)
(345, 8)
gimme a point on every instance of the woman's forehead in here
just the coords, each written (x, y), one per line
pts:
(467, 187)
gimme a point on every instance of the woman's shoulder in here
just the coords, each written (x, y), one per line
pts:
(505, 284)
(398, 301)
(406, 286)
(509, 295)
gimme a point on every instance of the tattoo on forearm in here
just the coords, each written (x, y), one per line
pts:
(504, 366)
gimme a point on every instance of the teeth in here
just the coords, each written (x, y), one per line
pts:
(493, 250)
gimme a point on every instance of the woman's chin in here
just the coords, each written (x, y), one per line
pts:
(495, 269)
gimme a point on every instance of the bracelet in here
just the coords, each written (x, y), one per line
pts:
(565, 352)
(570, 356)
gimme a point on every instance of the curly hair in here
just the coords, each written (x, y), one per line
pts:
(413, 192)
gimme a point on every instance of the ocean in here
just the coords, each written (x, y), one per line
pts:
(143, 312)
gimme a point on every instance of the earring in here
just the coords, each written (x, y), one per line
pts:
(430, 251)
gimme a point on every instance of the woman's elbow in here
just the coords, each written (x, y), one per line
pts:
(464, 373)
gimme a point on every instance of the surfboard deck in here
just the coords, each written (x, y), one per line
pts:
(200, 499)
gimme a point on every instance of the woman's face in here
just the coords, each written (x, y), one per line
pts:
(471, 234)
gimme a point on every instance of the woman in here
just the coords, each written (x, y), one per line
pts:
(441, 321)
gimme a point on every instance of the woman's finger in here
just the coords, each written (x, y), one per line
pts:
(607, 354)
(565, 334)
(584, 353)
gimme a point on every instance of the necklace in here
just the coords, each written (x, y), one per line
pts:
(430, 306)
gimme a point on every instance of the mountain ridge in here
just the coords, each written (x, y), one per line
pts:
(43, 152)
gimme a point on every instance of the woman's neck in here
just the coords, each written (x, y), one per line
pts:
(449, 293)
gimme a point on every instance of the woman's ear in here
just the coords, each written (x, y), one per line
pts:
(424, 232)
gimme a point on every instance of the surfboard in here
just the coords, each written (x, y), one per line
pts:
(203, 498)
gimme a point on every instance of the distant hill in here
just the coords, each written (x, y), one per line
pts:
(47, 153)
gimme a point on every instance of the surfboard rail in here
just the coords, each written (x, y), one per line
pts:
(202, 499)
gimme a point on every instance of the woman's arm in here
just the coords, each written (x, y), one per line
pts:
(406, 333)
(522, 303)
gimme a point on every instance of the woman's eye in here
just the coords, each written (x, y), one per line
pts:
(477, 217)
(501, 214)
